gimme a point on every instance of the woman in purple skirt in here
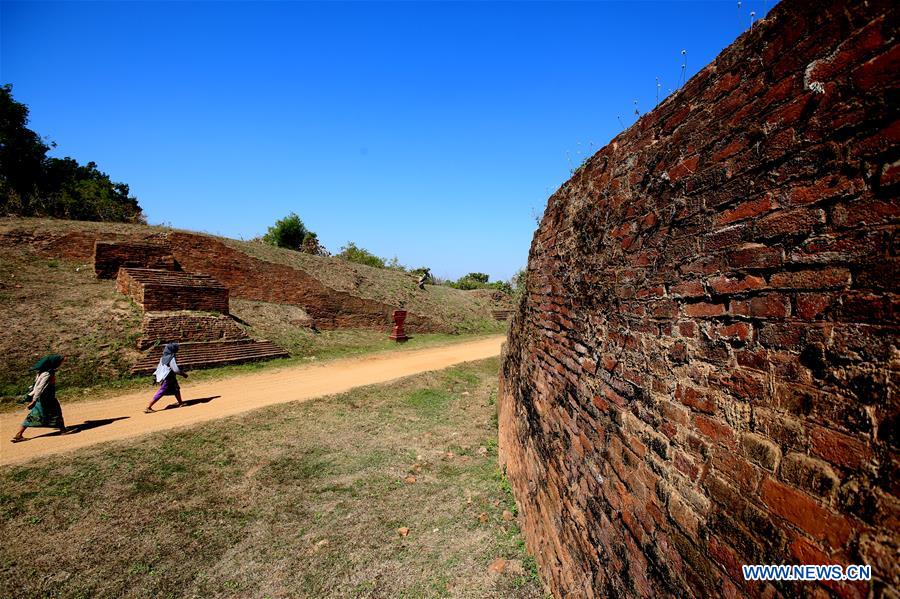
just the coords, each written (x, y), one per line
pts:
(166, 372)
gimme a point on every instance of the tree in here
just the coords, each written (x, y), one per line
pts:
(289, 232)
(22, 155)
(352, 253)
(478, 277)
(517, 282)
(312, 246)
(31, 184)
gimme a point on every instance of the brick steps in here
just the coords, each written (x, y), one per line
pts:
(186, 327)
(213, 353)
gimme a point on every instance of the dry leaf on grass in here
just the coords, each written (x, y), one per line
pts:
(507, 515)
(498, 566)
(403, 531)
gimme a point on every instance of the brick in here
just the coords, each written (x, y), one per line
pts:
(813, 476)
(760, 451)
(703, 310)
(811, 279)
(692, 288)
(686, 519)
(851, 52)
(755, 256)
(742, 473)
(824, 189)
(769, 305)
(740, 331)
(687, 166)
(744, 385)
(879, 72)
(696, 399)
(715, 430)
(805, 513)
(746, 210)
(840, 449)
(813, 306)
(723, 285)
(800, 221)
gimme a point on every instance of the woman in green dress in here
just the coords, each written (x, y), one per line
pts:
(44, 410)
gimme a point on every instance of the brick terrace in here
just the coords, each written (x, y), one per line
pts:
(109, 256)
(160, 290)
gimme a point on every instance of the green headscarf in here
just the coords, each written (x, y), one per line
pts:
(48, 363)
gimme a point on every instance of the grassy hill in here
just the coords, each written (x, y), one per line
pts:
(50, 300)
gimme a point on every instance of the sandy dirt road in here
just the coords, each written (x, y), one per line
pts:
(123, 417)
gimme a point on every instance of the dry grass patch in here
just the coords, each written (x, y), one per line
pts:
(296, 500)
(49, 305)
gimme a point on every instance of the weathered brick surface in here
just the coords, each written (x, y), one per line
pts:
(703, 371)
(162, 290)
(109, 256)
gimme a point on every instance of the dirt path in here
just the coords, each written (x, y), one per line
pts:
(122, 417)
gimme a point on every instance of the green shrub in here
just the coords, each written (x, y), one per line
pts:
(289, 232)
(352, 253)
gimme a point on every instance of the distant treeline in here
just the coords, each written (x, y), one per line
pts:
(33, 184)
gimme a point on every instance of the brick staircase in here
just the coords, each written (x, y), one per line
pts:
(501, 314)
(208, 354)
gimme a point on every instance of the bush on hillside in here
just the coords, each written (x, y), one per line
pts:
(353, 253)
(312, 246)
(518, 282)
(33, 184)
(288, 232)
(479, 280)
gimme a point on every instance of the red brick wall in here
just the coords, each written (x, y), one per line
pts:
(249, 278)
(703, 372)
(110, 255)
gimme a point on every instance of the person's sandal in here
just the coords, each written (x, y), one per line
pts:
(18, 439)
(149, 411)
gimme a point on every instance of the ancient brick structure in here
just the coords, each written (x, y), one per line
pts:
(162, 327)
(245, 276)
(216, 353)
(110, 255)
(159, 290)
(253, 279)
(703, 372)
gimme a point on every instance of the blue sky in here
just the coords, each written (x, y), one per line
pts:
(429, 131)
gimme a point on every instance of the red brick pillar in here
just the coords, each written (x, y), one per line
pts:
(398, 334)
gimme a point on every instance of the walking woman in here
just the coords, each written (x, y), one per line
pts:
(166, 372)
(44, 410)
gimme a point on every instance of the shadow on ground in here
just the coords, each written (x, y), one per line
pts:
(192, 402)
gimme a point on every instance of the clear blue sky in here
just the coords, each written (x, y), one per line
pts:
(429, 131)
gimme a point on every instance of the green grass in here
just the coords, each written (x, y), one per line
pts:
(300, 500)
